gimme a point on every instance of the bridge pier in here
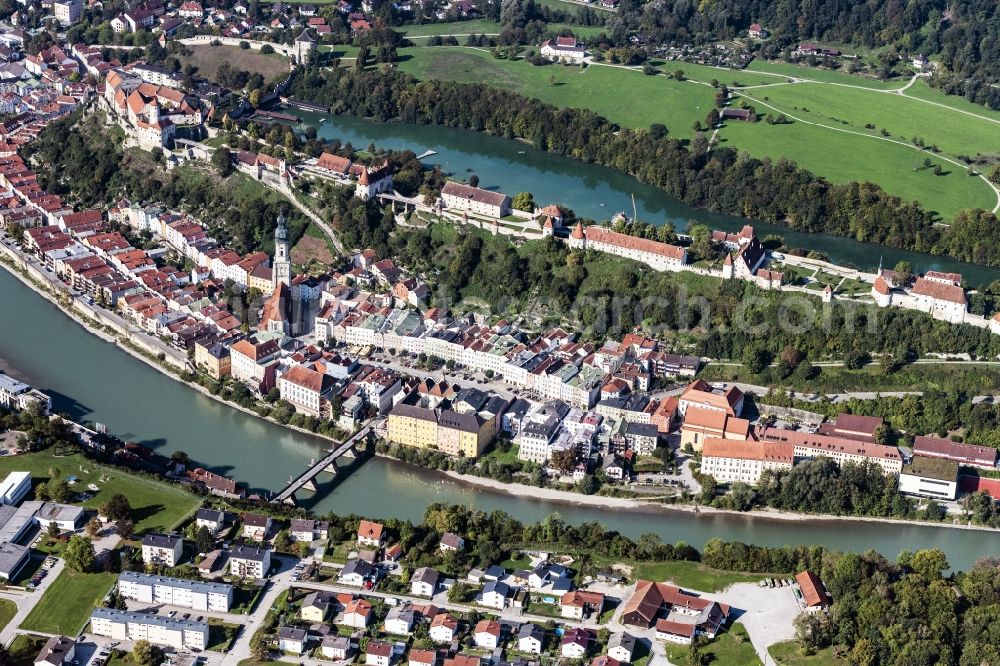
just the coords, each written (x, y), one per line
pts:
(310, 485)
(332, 468)
(290, 500)
(350, 453)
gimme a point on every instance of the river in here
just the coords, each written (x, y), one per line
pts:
(93, 381)
(596, 192)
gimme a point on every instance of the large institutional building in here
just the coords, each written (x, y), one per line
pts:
(661, 256)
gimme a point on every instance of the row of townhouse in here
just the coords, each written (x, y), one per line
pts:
(552, 364)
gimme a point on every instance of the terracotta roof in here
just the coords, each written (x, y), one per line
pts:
(812, 589)
(598, 234)
(881, 286)
(476, 194)
(334, 163)
(939, 291)
(748, 450)
(302, 376)
(370, 530)
(943, 448)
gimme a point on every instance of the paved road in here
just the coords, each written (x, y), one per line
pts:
(98, 312)
(25, 602)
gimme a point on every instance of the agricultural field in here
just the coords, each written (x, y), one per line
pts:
(786, 69)
(622, 95)
(904, 118)
(843, 157)
(834, 101)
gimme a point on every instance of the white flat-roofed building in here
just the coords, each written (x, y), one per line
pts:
(18, 396)
(15, 487)
(930, 477)
(66, 517)
(157, 629)
(195, 594)
(12, 558)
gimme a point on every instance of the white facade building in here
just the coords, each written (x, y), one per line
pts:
(194, 594)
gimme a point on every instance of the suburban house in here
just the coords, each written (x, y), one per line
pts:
(256, 526)
(336, 647)
(563, 49)
(292, 640)
(530, 638)
(357, 614)
(211, 519)
(621, 646)
(165, 549)
(495, 595)
(356, 572)
(307, 530)
(249, 562)
(487, 634)
(814, 594)
(316, 606)
(576, 643)
(452, 542)
(378, 653)
(424, 582)
(443, 628)
(57, 651)
(371, 534)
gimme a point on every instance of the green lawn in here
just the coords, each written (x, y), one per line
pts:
(692, 575)
(817, 74)
(66, 605)
(903, 117)
(622, 95)
(731, 648)
(724, 75)
(156, 505)
(788, 652)
(564, 6)
(7, 611)
(477, 26)
(842, 157)
(24, 648)
(921, 90)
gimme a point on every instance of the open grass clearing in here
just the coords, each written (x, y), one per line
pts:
(902, 117)
(820, 74)
(156, 505)
(724, 75)
(922, 90)
(694, 576)
(8, 609)
(622, 95)
(731, 647)
(789, 653)
(66, 605)
(24, 648)
(477, 26)
(208, 59)
(841, 158)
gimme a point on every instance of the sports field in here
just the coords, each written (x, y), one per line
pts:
(624, 96)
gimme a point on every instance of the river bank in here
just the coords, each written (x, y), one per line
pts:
(513, 489)
(557, 496)
(91, 382)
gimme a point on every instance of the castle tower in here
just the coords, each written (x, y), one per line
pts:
(282, 273)
(727, 267)
(305, 48)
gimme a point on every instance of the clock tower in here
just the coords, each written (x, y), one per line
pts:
(282, 273)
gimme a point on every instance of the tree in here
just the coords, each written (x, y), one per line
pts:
(125, 529)
(203, 540)
(60, 491)
(904, 272)
(524, 201)
(813, 630)
(79, 554)
(474, 180)
(116, 508)
(222, 161)
(143, 652)
(756, 359)
(254, 98)
(93, 527)
(564, 460)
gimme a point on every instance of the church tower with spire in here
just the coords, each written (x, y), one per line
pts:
(282, 273)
